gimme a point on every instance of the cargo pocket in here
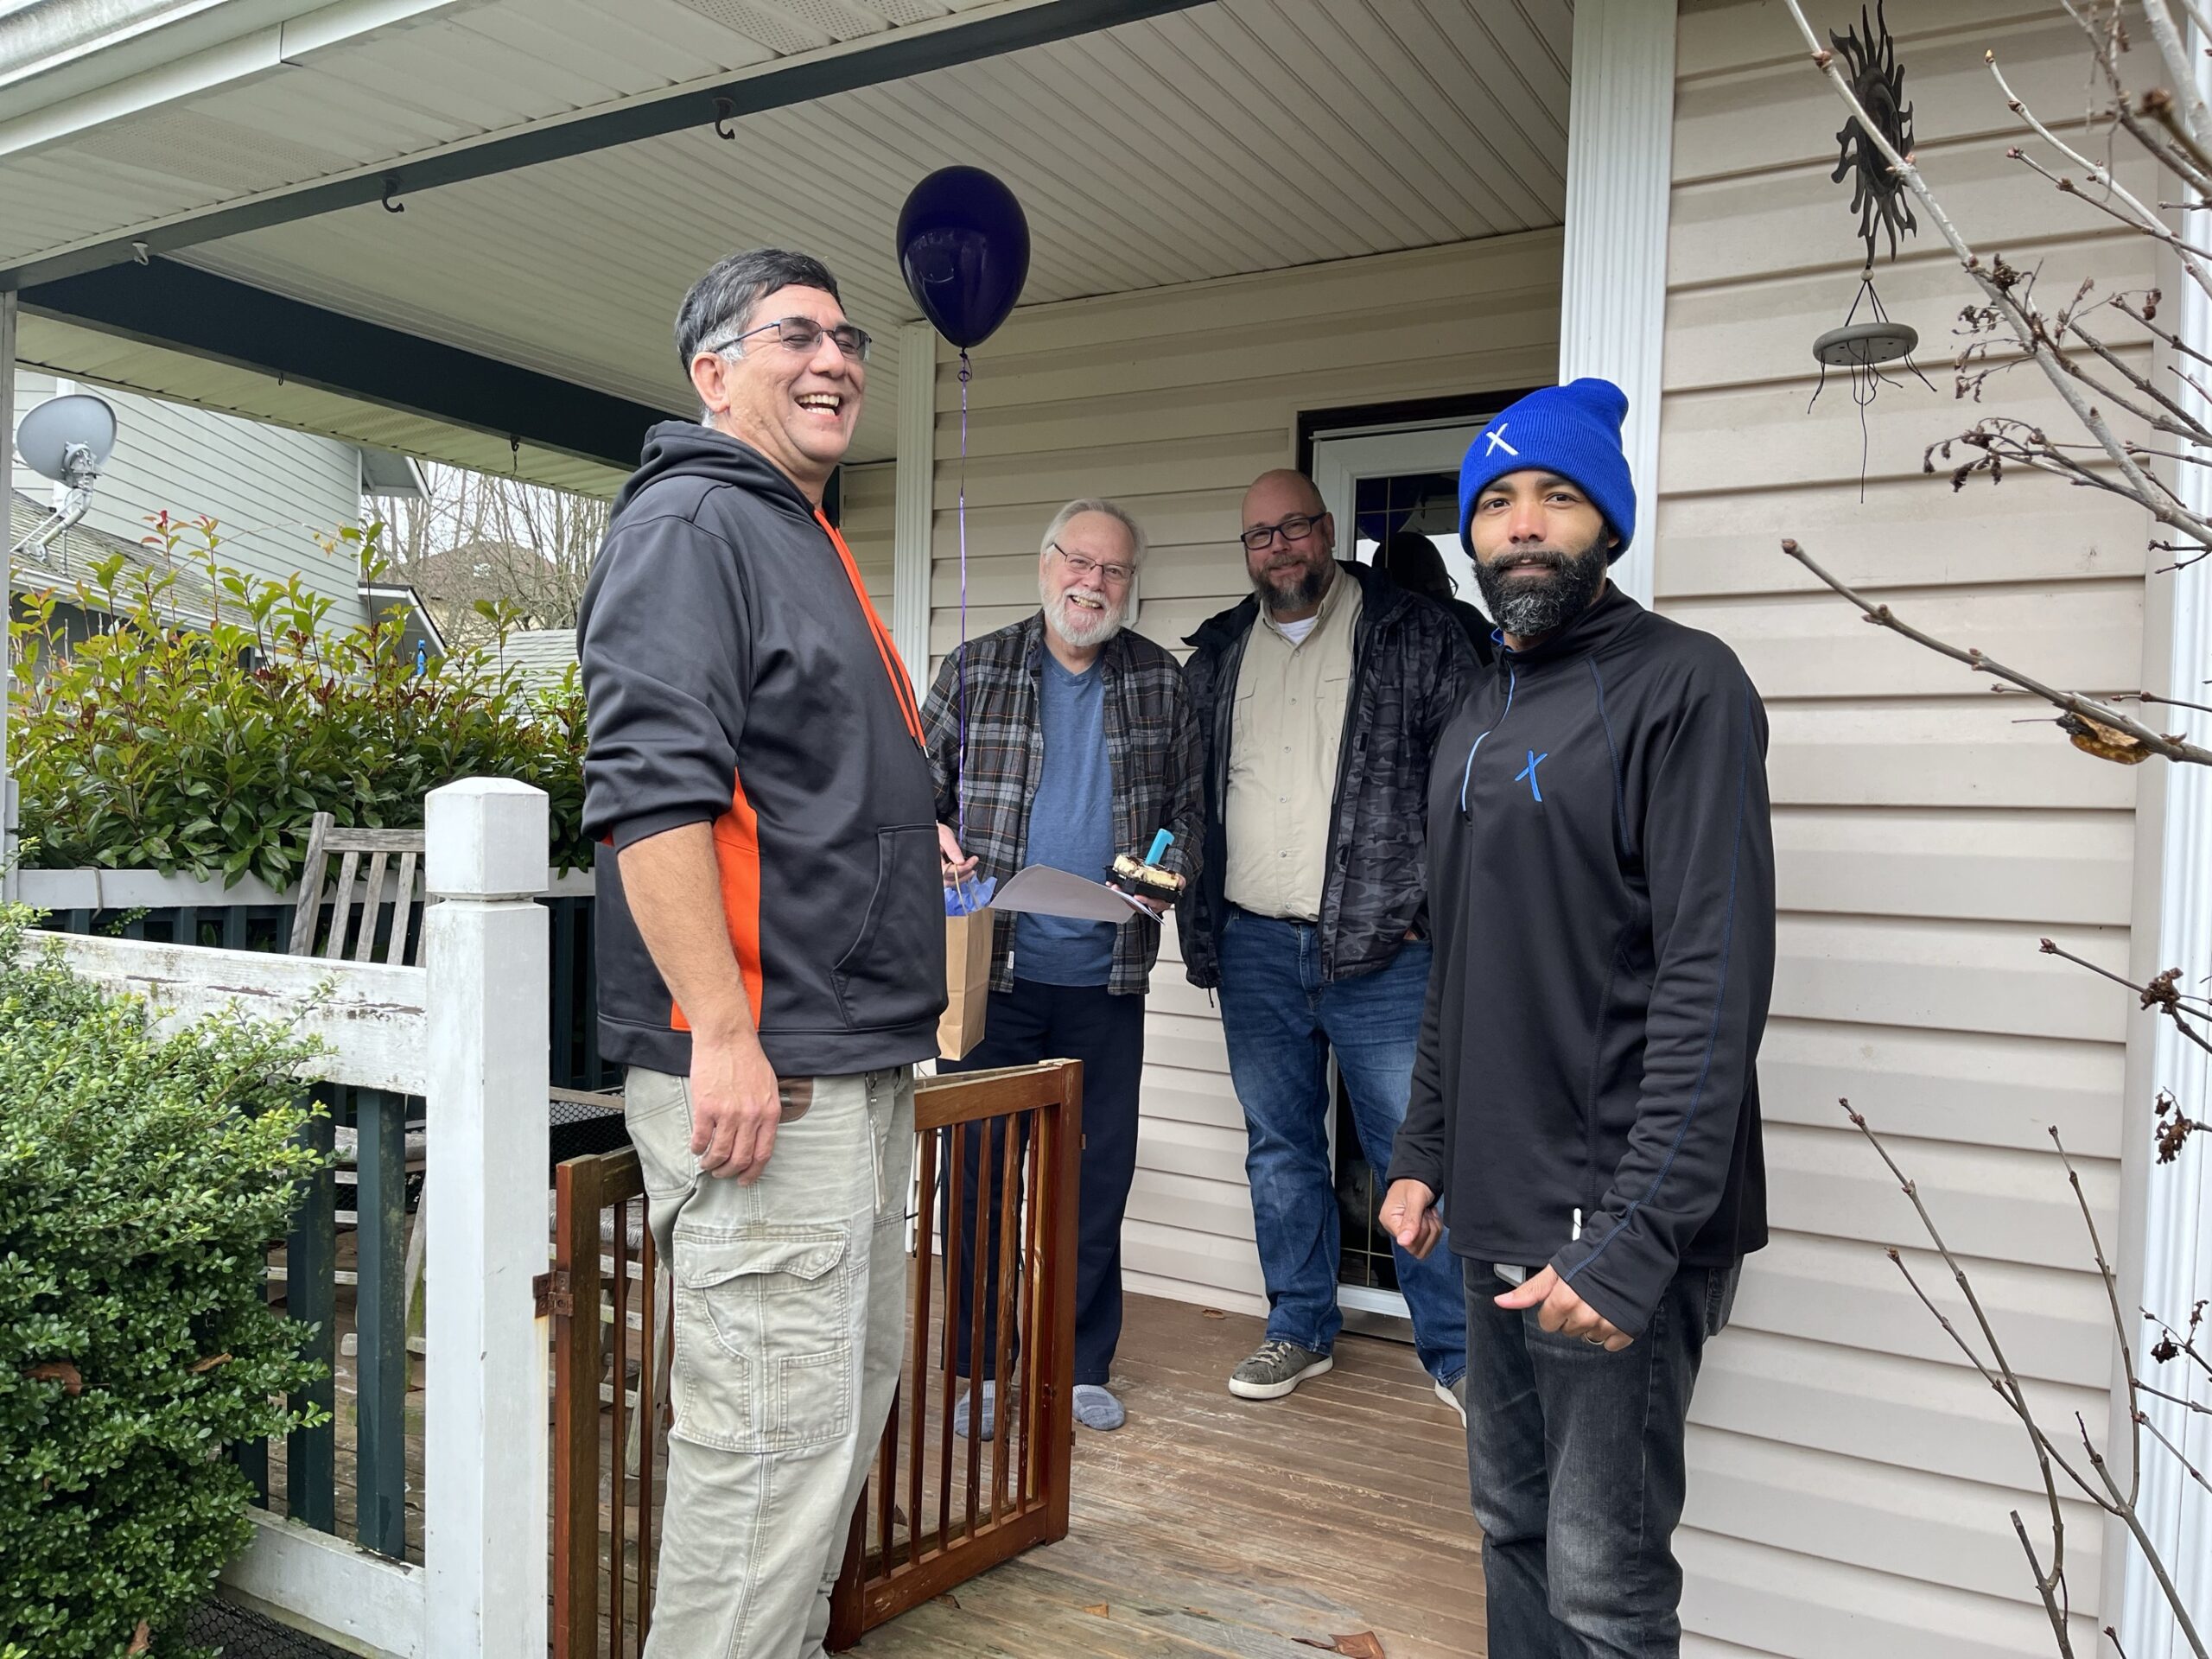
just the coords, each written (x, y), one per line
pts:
(764, 1339)
(894, 972)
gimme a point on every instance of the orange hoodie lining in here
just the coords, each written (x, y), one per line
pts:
(737, 864)
(886, 647)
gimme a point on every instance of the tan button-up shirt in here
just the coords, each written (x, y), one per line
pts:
(1285, 734)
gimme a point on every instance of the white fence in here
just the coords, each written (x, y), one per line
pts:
(466, 1030)
(91, 889)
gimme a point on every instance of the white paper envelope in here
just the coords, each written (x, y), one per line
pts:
(1044, 891)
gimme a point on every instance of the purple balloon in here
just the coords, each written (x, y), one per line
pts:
(964, 245)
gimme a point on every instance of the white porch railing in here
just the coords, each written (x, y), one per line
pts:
(466, 1030)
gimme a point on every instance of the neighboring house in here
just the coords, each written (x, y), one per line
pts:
(454, 582)
(275, 496)
(541, 656)
(1335, 232)
(63, 564)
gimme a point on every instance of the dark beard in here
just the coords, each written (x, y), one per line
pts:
(1302, 597)
(1526, 608)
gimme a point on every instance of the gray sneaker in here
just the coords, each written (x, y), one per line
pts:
(1454, 1395)
(1275, 1369)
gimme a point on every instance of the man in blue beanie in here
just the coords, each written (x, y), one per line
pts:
(1584, 1103)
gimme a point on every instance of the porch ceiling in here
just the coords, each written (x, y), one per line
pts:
(327, 102)
(1235, 136)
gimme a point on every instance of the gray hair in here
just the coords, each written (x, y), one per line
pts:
(723, 299)
(1090, 503)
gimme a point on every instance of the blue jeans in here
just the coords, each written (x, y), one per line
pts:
(1574, 1459)
(1282, 1023)
(1030, 1023)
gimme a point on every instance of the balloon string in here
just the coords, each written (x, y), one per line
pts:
(967, 373)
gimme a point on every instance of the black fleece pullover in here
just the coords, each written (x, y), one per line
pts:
(1601, 886)
(736, 674)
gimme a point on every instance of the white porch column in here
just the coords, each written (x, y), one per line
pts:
(2173, 1241)
(7, 579)
(915, 500)
(1613, 283)
(487, 1503)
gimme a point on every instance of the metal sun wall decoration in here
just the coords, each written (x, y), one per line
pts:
(1878, 196)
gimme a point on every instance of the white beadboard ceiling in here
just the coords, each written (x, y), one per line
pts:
(1237, 136)
(449, 75)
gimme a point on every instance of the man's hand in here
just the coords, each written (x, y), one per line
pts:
(956, 865)
(1409, 1216)
(736, 1104)
(1559, 1309)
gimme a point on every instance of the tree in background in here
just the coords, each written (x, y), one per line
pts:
(2138, 421)
(489, 554)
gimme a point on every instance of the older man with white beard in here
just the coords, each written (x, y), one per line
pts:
(1066, 740)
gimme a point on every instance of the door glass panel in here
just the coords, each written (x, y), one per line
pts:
(1427, 504)
(1365, 1259)
(1377, 483)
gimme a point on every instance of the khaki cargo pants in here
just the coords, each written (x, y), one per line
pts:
(791, 1307)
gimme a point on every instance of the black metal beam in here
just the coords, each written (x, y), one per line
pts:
(173, 306)
(895, 56)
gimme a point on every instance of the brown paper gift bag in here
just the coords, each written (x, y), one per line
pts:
(967, 984)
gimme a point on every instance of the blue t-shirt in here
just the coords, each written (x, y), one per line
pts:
(1071, 827)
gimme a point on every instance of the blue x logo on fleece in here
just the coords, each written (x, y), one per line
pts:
(1528, 772)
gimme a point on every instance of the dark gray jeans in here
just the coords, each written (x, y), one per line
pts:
(1574, 1459)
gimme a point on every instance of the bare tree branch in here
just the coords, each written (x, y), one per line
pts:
(2005, 1382)
(2160, 994)
(2111, 1300)
(2048, 1586)
(2188, 1468)
(2071, 704)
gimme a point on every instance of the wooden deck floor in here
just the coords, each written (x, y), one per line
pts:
(1210, 1526)
(1207, 1526)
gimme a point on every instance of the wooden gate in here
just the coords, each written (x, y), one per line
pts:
(940, 1508)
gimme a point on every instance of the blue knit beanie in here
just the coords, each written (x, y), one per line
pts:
(1573, 430)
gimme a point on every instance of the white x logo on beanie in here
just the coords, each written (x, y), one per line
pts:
(1497, 437)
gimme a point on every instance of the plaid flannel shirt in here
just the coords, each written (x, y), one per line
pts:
(1152, 748)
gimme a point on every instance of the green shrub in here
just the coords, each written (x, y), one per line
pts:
(141, 1176)
(210, 716)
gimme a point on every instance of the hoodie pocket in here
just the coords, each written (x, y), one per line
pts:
(894, 972)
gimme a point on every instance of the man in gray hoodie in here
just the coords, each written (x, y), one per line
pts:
(770, 948)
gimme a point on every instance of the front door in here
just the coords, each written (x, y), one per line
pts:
(1376, 484)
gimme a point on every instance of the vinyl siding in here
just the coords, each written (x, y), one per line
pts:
(1171, 402)
(271, 489)
(1851, 1477)
(867, 512)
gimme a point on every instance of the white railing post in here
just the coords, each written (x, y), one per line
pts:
(486, 1495)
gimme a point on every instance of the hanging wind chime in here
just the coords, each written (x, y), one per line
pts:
(1862, 346)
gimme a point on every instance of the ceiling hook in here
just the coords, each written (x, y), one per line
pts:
(391, 185)
(724, 110)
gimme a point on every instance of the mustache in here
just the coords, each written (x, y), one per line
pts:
(1544, 558)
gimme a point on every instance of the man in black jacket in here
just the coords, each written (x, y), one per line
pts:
(1319, 699)
(770, 948)
(1601, 874)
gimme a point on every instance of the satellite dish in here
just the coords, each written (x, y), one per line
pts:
(68, 439)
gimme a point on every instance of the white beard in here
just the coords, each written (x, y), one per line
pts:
(1081, 628)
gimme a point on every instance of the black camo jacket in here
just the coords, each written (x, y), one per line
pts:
(1411, 661)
